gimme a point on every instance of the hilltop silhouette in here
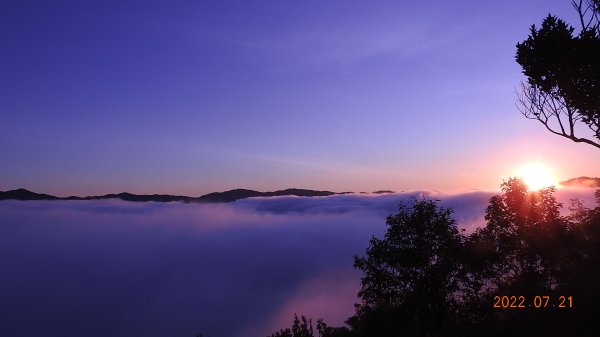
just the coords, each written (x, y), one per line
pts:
(215, 197)
(582, 182)
(230, 195)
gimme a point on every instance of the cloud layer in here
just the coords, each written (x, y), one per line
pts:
(113, 268)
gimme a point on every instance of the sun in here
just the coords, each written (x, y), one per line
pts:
(536, 176)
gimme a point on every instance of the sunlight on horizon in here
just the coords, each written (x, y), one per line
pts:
(537, 176)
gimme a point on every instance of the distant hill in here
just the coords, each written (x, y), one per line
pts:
(582, 182)
(299, 193)
(23, 194)
(237, 194)
(227, 196)
(383, 192)
(136, 197)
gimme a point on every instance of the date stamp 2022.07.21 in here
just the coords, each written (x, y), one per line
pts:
(537, 302)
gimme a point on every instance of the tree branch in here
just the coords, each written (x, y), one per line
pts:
(535, 104)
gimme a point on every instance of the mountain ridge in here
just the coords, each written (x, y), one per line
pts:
(214, 197)
(582, 181)
(227, 196)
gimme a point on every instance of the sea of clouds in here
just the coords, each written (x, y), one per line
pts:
(121, 269)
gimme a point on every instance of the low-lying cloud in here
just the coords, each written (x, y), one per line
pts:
(114, 268)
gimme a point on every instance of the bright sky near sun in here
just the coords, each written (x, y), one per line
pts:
(190, 97)
(537, 176)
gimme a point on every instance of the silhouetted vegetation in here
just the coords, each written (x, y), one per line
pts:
(303, 327)
(412, 277)
(510, 277)
(563, 74)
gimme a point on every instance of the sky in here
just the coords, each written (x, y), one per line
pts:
(191, 97)
(115, 268)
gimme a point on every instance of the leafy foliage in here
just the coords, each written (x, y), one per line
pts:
(523, 229)
(563, 74)
(413, 274)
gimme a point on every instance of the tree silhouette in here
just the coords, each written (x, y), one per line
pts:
(563, 75)
(426, 278)
(523, 229)
(302, 327)
(580, 269)
(412, 278)
(527, 248)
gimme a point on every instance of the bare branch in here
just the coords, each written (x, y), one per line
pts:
(579, 8)
(554, 113)
(589, 14)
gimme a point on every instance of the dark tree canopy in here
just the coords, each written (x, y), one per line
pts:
(411, 278)
(427, 278)
(563, 75)
(519, 242)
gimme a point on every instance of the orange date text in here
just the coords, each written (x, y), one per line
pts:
(536, 302)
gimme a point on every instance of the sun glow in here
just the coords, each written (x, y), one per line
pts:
(536, 176)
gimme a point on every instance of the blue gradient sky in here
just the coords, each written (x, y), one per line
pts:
(190, 97)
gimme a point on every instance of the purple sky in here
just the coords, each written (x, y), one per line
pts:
(190, 97)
